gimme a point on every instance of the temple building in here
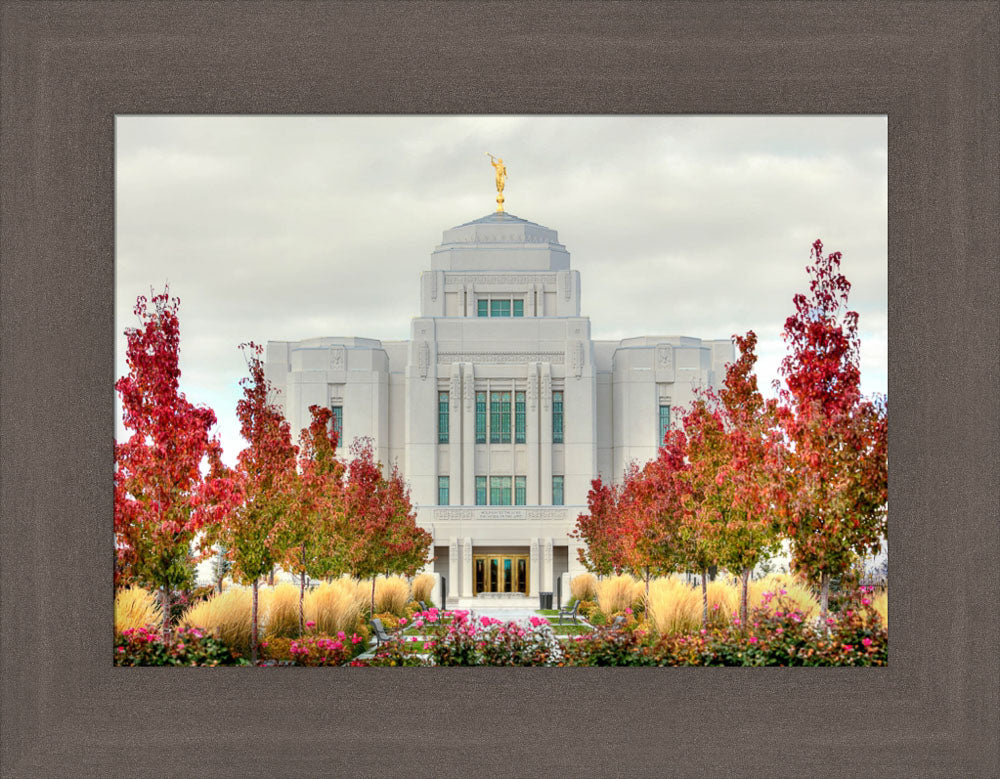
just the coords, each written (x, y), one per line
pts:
(500, 408)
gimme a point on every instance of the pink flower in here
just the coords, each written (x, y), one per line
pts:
(121, 649)
(703, 631)
(628, 610)
(418, 623)
(753, 639)
(180, 647)
(310, 624)
(865, 601)
(849, 647)
(779, 631)
(355, 639)
(402, 621)
(341, 635)
(866, 641)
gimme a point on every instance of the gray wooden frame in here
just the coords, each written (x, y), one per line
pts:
(67, 68)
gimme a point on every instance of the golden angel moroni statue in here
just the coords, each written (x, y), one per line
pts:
(501, 174)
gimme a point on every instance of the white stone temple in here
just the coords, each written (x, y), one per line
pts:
(500, 409)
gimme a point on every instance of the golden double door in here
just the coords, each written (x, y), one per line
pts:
(500, 573)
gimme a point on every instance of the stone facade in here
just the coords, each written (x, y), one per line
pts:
(532, 343)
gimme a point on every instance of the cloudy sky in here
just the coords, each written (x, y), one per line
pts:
(274, 228)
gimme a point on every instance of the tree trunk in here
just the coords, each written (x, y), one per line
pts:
(373, 596)
(704, 597)
(745, 585)
(824, 596)
(302, 592)
(253, 625)
(647, 585)
(165, 600)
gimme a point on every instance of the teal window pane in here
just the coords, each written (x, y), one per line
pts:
(338, 423)
(499, 308)
(520, 490)
(518, 308)
(442, 417)
(482, 308)
(480, 417)
(500, 491)
(664, 422)
(480, 490)
(520, 418)
(557, 490)
(499, 417)
(557, 417)
(443, 490)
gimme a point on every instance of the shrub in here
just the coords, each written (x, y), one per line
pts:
(280, 606)
(136, 608)
(488, 641)
(187, 646)
(777, 635)
(674, 607)
(617, 593)
(423, 586)
(587, 609)
(583, 586)
(391, 594)
(336, 606)
(389, 620)
(227, 616)
(880, 603)
(321, 650)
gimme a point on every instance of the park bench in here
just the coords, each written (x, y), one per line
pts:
(570, 612)
(381, 637)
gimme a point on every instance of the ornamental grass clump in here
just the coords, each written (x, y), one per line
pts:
(792, 592)
(617, 593)
(280, 607)
(225, 616)
(136, 608)
(422, 586)
(723, 602)
(335, 606)
(673, 606)
(583, 586)
(391, 594)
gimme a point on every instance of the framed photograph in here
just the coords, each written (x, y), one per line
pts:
(77, 78)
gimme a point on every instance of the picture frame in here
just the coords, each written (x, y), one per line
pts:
(69, 68)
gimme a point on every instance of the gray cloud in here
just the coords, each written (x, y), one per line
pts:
(293, 227)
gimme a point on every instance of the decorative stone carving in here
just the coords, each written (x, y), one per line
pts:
(337, 358)
(434, 285)
(501, 357)
(456, 390)
(664, 356)
(547, 546)
(546, 391)
(456, 514)
(423, 358)
(567, 284)
(575, 359)
(496, 279)
(468, 389)
(532, 390)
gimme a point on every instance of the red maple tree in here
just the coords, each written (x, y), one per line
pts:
(736, 449)
(161, 500)
(836, 476)
(378, 523)
(315, 547)
(256, 528)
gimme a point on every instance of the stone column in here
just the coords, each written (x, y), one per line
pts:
(452, 569)
(533, 565)
(545, 424)
(466, 567)
(468, 436)
(548, 584)
(531, 435)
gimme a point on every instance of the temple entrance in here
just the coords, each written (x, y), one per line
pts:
(500, 573)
